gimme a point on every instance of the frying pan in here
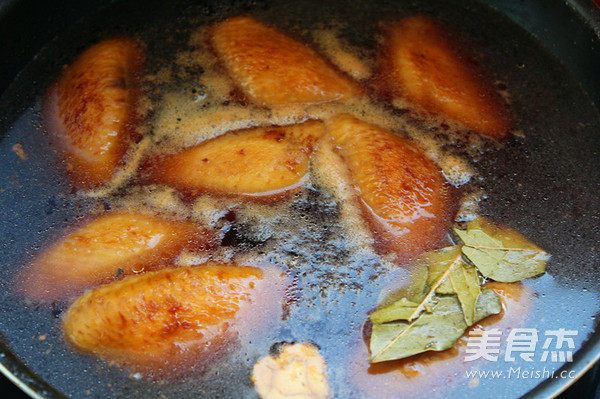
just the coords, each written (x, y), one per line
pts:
(545, 185)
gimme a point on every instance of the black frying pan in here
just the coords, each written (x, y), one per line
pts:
(546, 185)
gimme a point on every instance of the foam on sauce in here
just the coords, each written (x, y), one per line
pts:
(289, 232)
(342, 55)
(331, 174)
(317, 235)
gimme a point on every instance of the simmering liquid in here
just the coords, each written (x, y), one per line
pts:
(317, 235)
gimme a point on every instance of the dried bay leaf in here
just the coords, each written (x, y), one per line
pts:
(431, 331)
(488, 304)
(446, 273)
(435, 331)
(501, 253)
(457, 277)
(466, 285)
(447, 296)
(399, 310)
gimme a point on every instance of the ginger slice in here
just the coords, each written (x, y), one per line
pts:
(298, 371)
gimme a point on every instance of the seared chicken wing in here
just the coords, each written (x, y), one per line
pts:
(164, 317)
(404, 193)
(90, 110)
(106, 247)
(421, 64)
(254, 162)
(273, 69)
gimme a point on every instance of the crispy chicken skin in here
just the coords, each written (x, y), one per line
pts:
(108, 246)
(420, 63)
(90, 110)
(273, 69)
(405, 196)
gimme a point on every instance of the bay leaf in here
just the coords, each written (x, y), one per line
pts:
(456, 276)
(417, 289)
(435, 331)
(399, 310)
(488, 304)
(501, 253)
(438, 266)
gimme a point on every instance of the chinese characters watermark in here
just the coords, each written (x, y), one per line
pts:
(557, 345)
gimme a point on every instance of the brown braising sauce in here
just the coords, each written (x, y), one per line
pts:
(315, 230)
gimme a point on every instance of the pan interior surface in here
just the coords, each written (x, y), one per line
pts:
(544, 183)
